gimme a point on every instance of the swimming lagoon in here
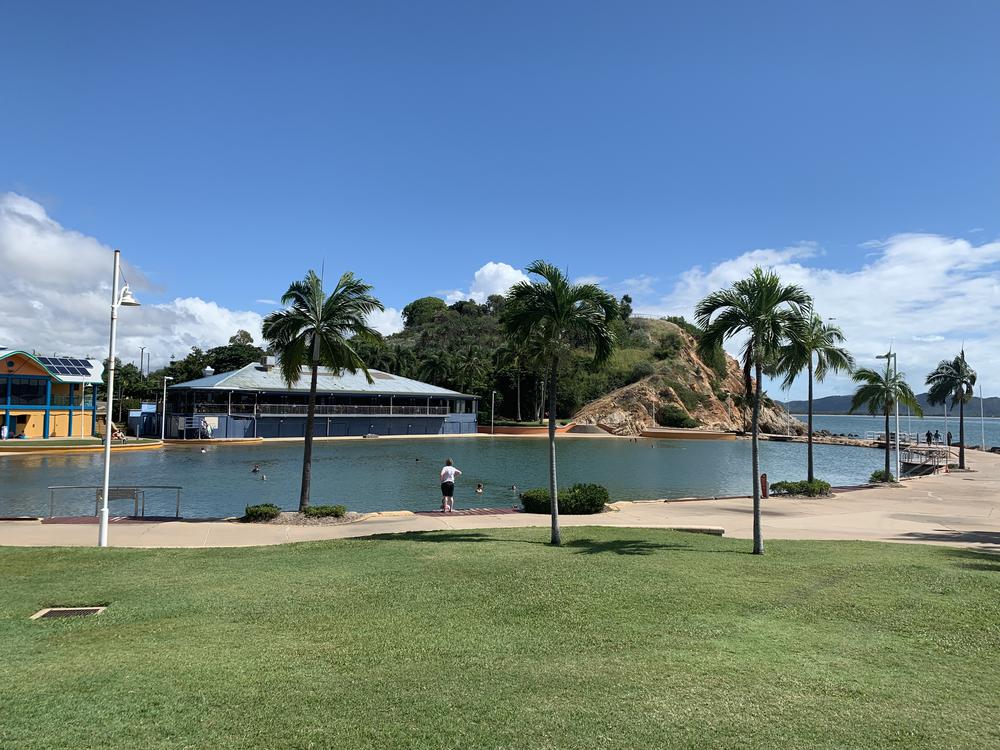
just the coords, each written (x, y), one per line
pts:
(373, 475)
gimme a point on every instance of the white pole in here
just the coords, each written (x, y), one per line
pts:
(102, 535)
(163, 416)
(493, 401)
(982, 418)
(895, 364)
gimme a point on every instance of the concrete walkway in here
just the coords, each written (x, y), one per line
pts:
(954, 509)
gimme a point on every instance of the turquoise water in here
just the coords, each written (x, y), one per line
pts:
(860, 424)
(368, 475)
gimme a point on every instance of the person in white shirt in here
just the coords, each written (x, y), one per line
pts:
(448, 474)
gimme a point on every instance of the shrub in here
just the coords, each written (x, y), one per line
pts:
(324, 511)
(881, 476)
(671, 415)
(578, 500)
(669, 345)
(640, 371)
(262, 512)
(815, 488)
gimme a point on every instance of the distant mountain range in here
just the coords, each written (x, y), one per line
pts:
(841, 404)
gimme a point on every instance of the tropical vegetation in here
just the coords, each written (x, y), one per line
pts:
(319, 329)
(558, 317)
(879, 392)
(767, 314)
(955, 380)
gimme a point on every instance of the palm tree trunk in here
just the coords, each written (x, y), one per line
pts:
(553, 489)
(758, 539)
(541, 402)
(809, 439)
(519, 394)
(308, 450)
(887, 410)
(961, 434)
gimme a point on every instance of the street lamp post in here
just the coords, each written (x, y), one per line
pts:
(142, 359)
(118, 299)
(163, 416)
(895, 372)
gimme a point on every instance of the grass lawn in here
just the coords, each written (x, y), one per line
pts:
(621, 639)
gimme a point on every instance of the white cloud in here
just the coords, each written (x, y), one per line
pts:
(638, 286)
(589, 279)
(57, 297)
(267, 302)
(492, 278)
(926, 293)
(387, 322)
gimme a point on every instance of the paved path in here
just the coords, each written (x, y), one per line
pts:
(956, 509)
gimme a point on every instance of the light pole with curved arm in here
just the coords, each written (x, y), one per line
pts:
(121, 298)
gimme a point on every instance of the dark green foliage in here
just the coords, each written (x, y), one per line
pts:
(687, 395)
(579, 500)
(641, 370)
(671, 415)
(422, 311)
(815, 488)
(262, 512)
(323, 511)
(881, 476)
(536, 501)
(669, 345)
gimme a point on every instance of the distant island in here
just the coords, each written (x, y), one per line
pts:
(841, 404)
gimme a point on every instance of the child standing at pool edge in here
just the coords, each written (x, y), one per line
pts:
(448, 474)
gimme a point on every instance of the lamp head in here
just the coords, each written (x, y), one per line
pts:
(127, 300)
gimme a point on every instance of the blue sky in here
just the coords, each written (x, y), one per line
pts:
(227, 148)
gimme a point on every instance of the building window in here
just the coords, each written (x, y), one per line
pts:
(27, 391)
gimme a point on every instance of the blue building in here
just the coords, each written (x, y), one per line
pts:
(255, 401)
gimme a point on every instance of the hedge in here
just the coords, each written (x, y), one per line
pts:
(262, 512)
(580, 499)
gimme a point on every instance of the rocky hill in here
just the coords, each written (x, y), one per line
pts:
(683, 391)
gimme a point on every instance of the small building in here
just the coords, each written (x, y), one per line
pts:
(255, 401)
(47, 397)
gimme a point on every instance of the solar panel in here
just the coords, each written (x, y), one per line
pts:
(83, 371)
(44, 360)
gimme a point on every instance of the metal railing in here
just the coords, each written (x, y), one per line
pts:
(322, 410)
(904, 437)
(136, 494)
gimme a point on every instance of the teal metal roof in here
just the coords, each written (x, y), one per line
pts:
(254, 377)
(62, 369)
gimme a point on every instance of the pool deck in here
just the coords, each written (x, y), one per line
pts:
(961, 508)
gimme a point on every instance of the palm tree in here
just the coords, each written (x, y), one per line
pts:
(769, 314)
(436, 369)
(470, 368)
(819, 342)
(319, 329)
(559, 315)
(954, 379)
(508, 358)
(880, 391)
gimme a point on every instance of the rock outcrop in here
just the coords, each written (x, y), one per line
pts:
(685, 386)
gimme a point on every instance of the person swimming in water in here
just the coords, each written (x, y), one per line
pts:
(255, 469)
(479, 488)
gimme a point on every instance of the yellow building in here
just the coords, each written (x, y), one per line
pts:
(47, 397)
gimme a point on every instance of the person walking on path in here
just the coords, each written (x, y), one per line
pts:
(448, 474)
(929, 437)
